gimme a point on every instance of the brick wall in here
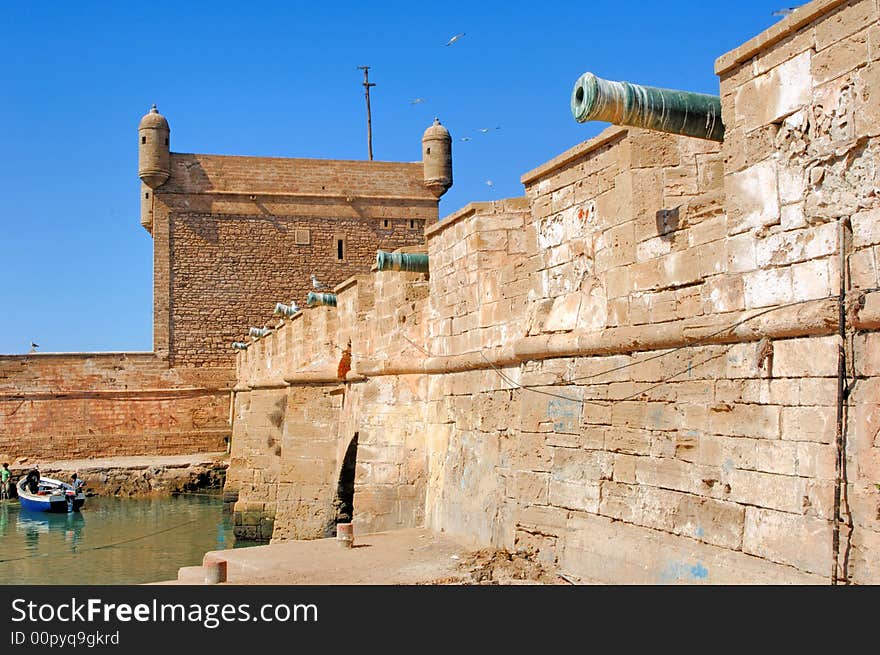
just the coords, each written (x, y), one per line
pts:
(103, 404)
(227, 272)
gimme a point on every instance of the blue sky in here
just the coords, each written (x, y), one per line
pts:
(281, 79)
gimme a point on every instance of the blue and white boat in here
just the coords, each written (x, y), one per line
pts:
(52, 496)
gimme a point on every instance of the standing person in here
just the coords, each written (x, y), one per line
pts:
(5, 474)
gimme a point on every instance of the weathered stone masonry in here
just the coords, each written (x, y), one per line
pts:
(633, 370)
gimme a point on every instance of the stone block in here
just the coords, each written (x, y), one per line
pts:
(627, 440)
(629, 414)
(564, 313)
(775, 94)
(723, 293)
(805, 357)
(777, 457)
(547, 520)
(866, 226)
(812, 280)
(779, 492)
(763, 288)
(739, 251)
(590, 466)
(706, 519)
(575, 495)
(866, 112)
(798, 541)
(606, 551)
(867, 353)
(840, 58)
(816, 460)
(797, 245)
(817, 424)
(531, 488)
(756, 421)
(752, 197)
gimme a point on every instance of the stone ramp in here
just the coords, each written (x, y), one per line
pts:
(400, 557)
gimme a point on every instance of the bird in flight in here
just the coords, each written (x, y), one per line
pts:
(454, 38)
(490, 183)
(317, 284)
(488, 129)
(34, 346)
(416, 101)
(784, 12)
(465, 138)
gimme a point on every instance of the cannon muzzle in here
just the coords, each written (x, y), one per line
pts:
(316, 298)
(665, 110)
(239, 345)
(286, 310)
(402, 261)
(258, 333)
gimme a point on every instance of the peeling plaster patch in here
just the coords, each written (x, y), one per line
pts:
(565, 415)
(551, 231)
(757, 186)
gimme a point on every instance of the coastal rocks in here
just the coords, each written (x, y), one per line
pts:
(136, 479)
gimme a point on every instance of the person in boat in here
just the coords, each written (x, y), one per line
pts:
(32, 481)
(5, 475)
(77, 483)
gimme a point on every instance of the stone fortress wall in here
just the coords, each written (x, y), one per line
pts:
(232, 236)
(633, 369)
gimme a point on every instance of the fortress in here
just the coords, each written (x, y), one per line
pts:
(660, 364)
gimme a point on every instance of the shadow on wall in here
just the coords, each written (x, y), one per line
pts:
(343, 504)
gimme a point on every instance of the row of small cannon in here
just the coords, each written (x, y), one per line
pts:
(385, 261)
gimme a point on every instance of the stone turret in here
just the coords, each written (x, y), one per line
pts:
(437, 158)
(154, 156)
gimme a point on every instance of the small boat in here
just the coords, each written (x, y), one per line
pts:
(52, 496)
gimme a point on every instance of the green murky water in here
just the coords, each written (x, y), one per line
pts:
(112, 540)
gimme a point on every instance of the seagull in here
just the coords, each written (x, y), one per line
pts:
(317, 284)
(784, 12)
(416, 101)
(465, 138)
(34, 346)
(454, 38)
(488, 129)
(490, 183)
(294, 307)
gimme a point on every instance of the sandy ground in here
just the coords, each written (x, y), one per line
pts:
(400, 557)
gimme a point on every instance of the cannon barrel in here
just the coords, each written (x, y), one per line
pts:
(257, 333)
(321, 299)
(402, 261)
(239, 345)
(665, 110)
(286, 310)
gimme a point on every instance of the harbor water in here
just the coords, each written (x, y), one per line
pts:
(112, 540)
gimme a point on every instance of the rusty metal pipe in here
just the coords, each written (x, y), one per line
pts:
(664, 110)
